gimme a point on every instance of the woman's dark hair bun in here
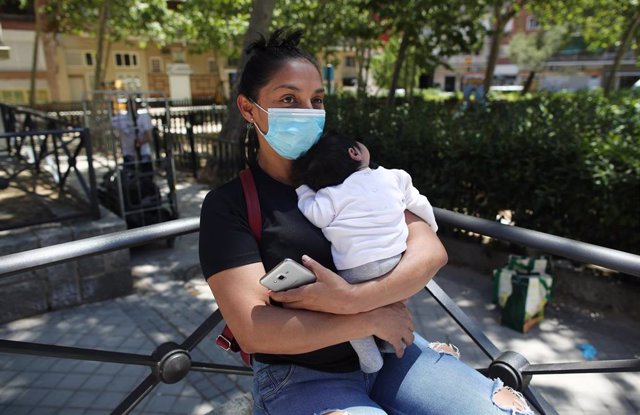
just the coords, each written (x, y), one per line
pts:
(280, 38)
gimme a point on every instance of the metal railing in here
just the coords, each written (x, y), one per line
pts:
(196, 141)
(187, 129)
(17, 118)
(170, 362)
(52, 157)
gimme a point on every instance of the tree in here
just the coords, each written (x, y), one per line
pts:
(501, 12)
(433, 30)
(42, 33)
(604, 24)
(217, 26)
(232, 129)
(531, 51)
(350, 26)
(109, 21)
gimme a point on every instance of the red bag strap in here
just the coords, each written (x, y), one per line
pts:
(226, 340)
(253, 204)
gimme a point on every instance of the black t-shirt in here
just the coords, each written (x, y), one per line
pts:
(226, 242)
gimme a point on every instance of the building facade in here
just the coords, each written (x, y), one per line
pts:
(572, 68)
(66, 64)
(65, 67)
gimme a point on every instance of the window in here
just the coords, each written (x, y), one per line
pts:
(213, 66)
(126, 59)
(450, 83)
(532, 23)
(13, 96)
(233, 62)
(21, 96)
(349, 81)
(179, 56)
(350, 61)
(80, 58)
(155, 65)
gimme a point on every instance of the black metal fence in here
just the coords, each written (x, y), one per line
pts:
(195, 139)
(171, 361)
(50, 155)
(190, 133)
(15, 119)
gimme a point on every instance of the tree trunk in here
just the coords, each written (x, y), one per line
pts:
(49, 48)
(219, 95)
(102, 28)
(45, 30)
(233, 127)
(34, 69)
(105, 62)
(360, 62)
(412, 78)
(496, 36)
(402, 54)
(501, 19)
(405, 74)
(261, 14)
(628, 35)
(367, 65)
(528, 82)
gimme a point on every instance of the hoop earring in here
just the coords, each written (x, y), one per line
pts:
(250, 145)
(246, 135)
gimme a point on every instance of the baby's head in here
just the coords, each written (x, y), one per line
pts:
(330, 161)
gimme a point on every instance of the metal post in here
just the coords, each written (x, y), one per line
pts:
(85, 138)
(190, 137)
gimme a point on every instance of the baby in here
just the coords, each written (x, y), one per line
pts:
(361, 212)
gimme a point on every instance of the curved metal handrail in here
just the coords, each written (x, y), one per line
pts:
(625, 262)
(176, 357)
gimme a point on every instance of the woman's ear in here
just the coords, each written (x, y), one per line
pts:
(355, 154)
(246, 107)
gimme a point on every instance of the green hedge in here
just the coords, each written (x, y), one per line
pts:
(564, 163)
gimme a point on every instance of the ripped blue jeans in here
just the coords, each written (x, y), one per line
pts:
(423, 381)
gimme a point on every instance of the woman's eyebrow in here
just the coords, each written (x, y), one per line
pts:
(296, 89)
(287, 86)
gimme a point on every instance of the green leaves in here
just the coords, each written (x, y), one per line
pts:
(531, 51)
(601, 22)
(213, 25)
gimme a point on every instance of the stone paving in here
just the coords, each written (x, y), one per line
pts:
(171, 300)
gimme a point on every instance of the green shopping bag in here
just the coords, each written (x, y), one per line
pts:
(522, 289)
(524, 308)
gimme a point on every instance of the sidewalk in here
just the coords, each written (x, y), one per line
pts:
(171, 299)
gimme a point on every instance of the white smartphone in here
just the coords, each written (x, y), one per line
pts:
(287, 275)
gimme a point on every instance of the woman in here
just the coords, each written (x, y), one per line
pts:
(302, 360)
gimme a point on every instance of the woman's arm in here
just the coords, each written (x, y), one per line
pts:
(424, 256)
(260, 327)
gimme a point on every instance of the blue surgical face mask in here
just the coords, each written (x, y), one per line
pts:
(292, 131)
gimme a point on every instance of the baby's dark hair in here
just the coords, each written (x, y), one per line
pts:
(266, 56)
(327, 163)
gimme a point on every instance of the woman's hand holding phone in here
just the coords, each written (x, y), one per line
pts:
(329, 294)
(286, 275)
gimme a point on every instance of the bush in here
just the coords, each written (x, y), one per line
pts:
(564, 163)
